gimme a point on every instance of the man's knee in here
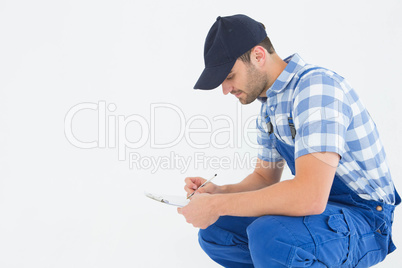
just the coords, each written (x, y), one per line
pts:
(209, 236)
(213, 237)
(203, 239)
(224, 247)
(227, 231)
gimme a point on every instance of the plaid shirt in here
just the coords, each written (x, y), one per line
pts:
(328, 117)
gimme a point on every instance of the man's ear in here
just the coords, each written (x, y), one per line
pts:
(258, 55)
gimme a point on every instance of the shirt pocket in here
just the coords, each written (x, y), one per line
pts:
(331, 232)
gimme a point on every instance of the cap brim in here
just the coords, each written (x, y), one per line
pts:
(212, 77)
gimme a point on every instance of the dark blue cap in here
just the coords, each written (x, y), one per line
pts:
(228, 39)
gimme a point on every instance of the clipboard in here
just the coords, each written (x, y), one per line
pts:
(178, 201)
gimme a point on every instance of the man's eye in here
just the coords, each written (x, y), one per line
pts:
(229, 77)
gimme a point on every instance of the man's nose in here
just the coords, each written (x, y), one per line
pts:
(226, 88)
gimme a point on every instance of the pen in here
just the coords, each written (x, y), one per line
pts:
(202, 185)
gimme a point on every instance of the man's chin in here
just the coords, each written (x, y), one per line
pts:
(246, 101)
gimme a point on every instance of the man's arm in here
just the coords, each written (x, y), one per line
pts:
(306, 194)
(264, 174)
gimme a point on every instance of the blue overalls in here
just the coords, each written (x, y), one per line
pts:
(351, 232)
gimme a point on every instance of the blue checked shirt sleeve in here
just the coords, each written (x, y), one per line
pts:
(266, 142)
(322, 115)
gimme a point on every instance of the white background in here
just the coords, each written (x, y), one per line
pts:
(63, 206)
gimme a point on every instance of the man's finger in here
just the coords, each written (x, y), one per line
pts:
(190, 180)
(191, 183)
(201, 191)
(187, 189)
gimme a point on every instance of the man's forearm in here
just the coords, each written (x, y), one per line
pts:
(252, 182)
(288, 198)
(265, 174)
(306, 194)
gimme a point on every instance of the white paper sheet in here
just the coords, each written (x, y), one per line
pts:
(178, 201)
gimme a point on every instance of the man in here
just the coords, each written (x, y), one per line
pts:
(338, 209)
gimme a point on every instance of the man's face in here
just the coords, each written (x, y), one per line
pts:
(245, 81)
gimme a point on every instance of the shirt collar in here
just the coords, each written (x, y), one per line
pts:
(294, 64)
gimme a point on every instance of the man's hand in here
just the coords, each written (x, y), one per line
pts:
(201, 212)
(192, 183)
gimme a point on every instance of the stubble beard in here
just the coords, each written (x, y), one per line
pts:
(256, 83)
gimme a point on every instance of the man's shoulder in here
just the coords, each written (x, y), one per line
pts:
(321, 87)
(310, 71)
(318, 79)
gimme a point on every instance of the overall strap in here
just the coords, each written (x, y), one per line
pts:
(270, 127)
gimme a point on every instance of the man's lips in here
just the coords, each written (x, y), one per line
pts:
(237, 94)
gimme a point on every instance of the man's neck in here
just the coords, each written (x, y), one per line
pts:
(274, 67)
